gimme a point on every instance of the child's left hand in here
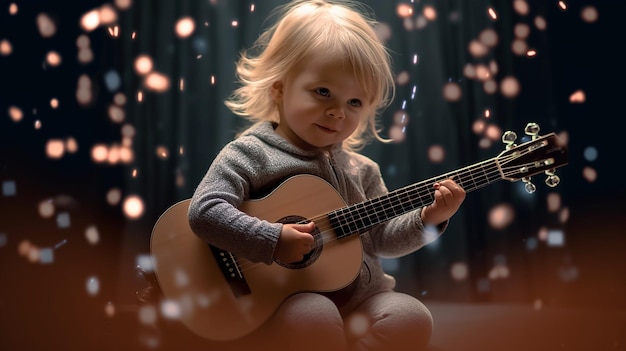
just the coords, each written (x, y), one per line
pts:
(448, 198)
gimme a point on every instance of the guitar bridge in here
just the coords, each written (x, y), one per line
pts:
(230, 270)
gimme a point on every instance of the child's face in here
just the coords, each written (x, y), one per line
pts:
(320, 103)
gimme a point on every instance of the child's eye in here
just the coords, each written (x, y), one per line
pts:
(323, 91)
(354, 102)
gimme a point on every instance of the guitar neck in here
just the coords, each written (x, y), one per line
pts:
(359, 218)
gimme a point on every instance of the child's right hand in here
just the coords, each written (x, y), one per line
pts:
(294, 242)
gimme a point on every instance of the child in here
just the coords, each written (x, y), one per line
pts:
(313, 89)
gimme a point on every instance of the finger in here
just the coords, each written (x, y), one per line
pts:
(305, 227)
(446, 195)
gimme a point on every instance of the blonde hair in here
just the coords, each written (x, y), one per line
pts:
(339, 29)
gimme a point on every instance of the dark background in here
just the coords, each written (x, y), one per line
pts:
(47, 305)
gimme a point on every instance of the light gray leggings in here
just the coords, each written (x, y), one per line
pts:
(309, 321)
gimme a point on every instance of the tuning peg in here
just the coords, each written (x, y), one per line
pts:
(552, 180)
(508, 138)
(528, 185)
(532, 129)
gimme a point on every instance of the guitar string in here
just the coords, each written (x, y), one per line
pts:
(326, 229)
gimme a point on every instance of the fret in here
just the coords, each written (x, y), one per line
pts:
(360, 217)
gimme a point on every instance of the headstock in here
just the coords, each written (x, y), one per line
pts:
(540, 154)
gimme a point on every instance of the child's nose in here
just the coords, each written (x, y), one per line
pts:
(335, 111)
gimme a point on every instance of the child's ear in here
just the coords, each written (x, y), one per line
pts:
(277, 91)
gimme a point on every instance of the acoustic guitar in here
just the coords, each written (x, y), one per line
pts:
(219, 296)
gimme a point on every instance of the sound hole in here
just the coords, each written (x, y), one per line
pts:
(311, 256)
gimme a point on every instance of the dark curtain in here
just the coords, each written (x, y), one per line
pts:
(192, 124)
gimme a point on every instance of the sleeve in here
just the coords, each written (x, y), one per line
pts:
(401, 235)
(213, 211)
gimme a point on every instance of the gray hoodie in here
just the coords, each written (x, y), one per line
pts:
(255, 163)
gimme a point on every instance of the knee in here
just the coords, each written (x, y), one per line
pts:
(310, 310)
(309, 321)
(391, 321)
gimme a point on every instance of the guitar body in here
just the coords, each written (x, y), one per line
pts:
(189, 274)
(222, 297)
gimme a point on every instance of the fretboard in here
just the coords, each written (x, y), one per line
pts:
(359, 218)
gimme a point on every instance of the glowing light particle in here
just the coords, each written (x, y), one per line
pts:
(540, 23)
(521, 7)
(590, 174)
(99, 153)
(404, 10)
(510, 87)
(93, 285)
(55, 148)
(46, 208)
(170, 309)
(589, 14)
(531, 244)
(521, 31)
(147, 314)
(452, 92)
(46, 256)
(46, 26)
(590, 153)
(519, 47)
(116, 114)
(145, 263)
(53, 58)
(436, 153)
(71, 145)
(492, 13)
(133, 207)
(185, 27)
(157, 82)
(90, 20)
(123, 4)
(477, 49)
(358, 324)
(556, 238)
(562, 5)
(577, 97)
(13, 9)
(63, 220)
(107, 14)
(459, 271)
(488, 37)
(501, 216)
(109, 309)
(564, 215)
(429, 12)
(553, 202)
(9, 188)
(112, 80)
(92, 235)
(15, 113)
(5, 47)
(397, 133)
(33, 254)
(478, 126)
(162, 152)
(24, 247)
(493, 132)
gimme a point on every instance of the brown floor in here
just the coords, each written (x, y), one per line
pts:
(474, 327)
